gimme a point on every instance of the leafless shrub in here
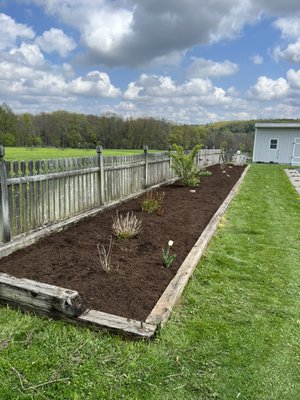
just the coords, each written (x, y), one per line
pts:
(126, 226)
(105, 255)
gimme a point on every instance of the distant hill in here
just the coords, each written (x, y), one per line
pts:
(73, 130)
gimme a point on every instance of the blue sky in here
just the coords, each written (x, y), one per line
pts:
(187, 61)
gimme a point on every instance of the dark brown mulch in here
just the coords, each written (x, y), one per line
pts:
(70, 259)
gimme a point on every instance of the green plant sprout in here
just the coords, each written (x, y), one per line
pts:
(166, 256)
(204, 172)
(153, 202)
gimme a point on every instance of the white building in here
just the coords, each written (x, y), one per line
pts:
(277, 143)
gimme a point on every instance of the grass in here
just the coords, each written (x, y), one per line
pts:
(235, 334)
(43, 153)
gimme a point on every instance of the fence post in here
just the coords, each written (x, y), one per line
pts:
(146, 166)
(5, 233)
(170, 160)
(99, 150)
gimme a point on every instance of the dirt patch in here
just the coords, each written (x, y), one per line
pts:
(70, 258)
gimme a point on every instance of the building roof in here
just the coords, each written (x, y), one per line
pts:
(277, 125)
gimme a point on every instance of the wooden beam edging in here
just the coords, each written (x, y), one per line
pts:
(40, 297)
(163, 308)
(66, 305)
(99, 320)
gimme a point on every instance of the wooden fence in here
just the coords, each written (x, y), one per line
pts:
(36, 194)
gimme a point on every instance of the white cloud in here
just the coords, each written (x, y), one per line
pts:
(290, 27)
(198, 87)
(126, 106)
(94, 84)
(269, 89)
(42, 85)
(68, 70)
(26, 77)
(291, 53)
(293, 78)
(151, 34)
(257, 59)
(232, 91)
(172, 59)
(10, 71)
(10, 31)
(278, 7)
(284, 110)
(290, 30)
(150, 85)
(106, 28)
(132, 91)
(195, 100)
(131, 32)
(163, 90)
(202, 68)
(56, 40)
(233, 16)
(277, 53)
(28, 53)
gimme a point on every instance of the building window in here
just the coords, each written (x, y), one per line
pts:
(273, 144)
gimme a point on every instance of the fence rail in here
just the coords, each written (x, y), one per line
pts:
(36, 194)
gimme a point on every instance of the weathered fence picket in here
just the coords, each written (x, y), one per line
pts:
(5, 232)
(41, 193)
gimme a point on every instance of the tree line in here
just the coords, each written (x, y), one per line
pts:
(67, 129)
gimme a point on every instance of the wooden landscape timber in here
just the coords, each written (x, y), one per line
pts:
(163, 308)
(99, 320)
(40, 297)
(34, 296)
(66, 305)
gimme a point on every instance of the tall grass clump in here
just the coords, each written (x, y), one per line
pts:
(126, 226)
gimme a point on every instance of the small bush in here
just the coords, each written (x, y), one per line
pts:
(126, 226)
(204, 172)
(153, 202)
(184, 165)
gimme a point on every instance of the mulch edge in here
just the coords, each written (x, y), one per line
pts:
(162, 310)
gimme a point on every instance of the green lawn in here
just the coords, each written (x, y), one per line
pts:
(43, 153)
(235, 334)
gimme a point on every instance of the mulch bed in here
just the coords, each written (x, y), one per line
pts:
(70, 258)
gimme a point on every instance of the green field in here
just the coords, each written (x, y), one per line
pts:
(43, 153)
(234, 335)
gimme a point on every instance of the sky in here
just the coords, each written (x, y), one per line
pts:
(186, 61)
